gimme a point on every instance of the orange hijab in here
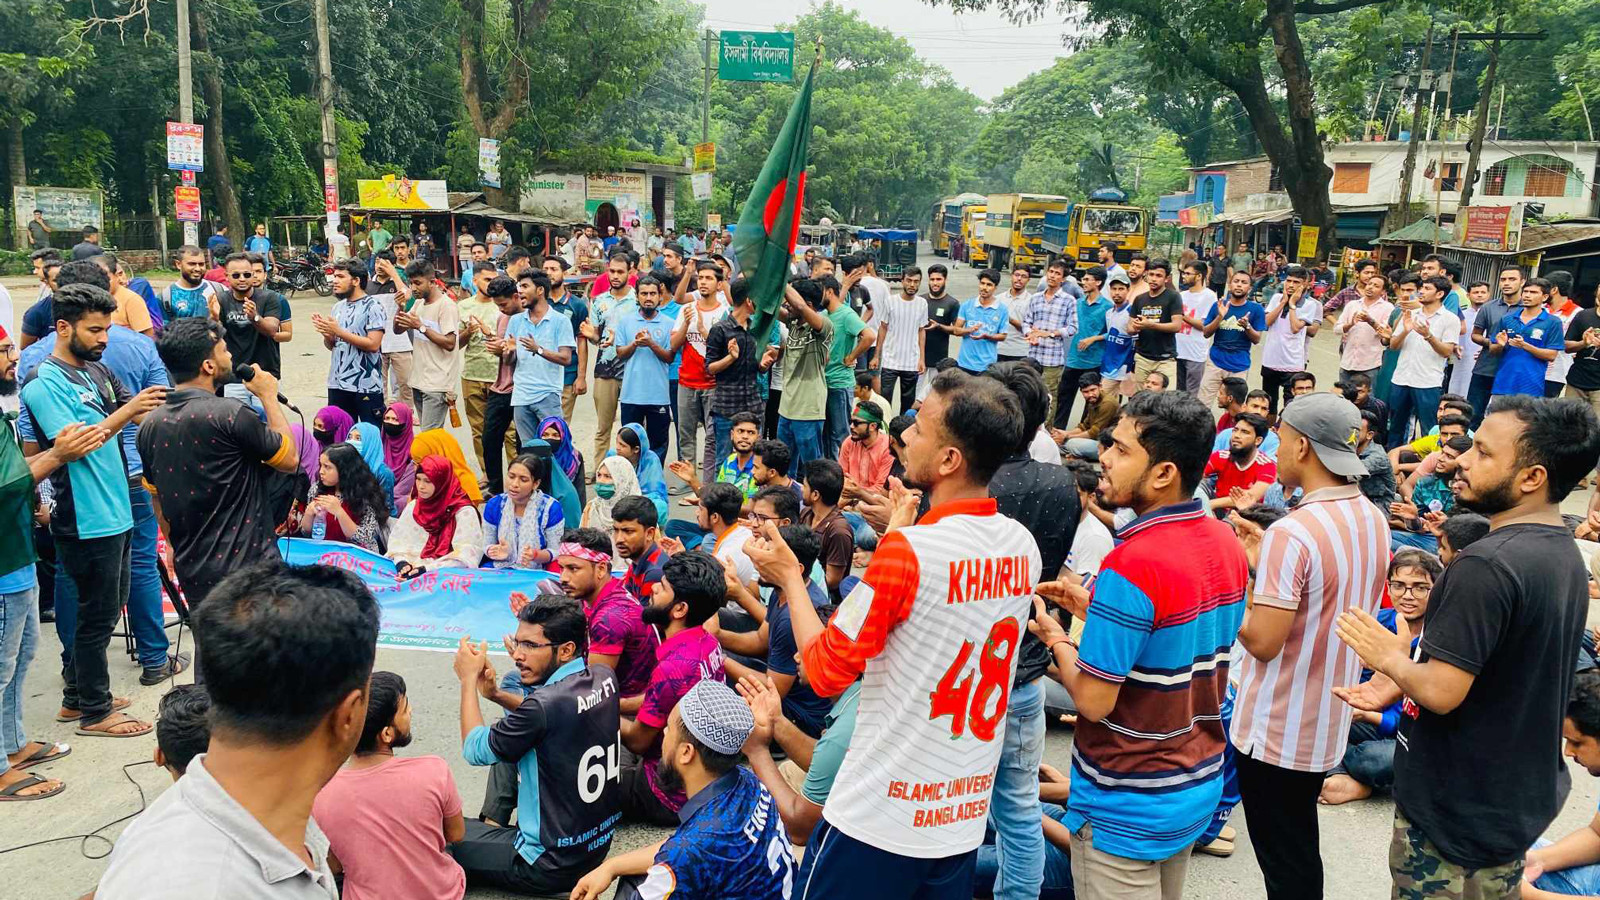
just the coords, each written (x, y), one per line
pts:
(438, 442)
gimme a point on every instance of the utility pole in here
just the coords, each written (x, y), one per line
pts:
(1438, 184)
(1480, 116)
(191, 230)
(330, 138)
(1416, 132)
(705, 98)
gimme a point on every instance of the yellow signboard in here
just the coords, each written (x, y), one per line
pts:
(705, 157)
(1308, 241)
(390, 192)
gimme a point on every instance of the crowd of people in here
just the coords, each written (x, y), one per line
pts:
(826, 652)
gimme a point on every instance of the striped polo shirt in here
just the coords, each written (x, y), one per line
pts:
(933, 630)
(1165, 612)
(1329, 554)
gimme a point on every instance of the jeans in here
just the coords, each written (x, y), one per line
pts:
(528, 416)
(1230, 777)
(1477, 394)
(98, 568)
(722, 428)
(1083, 448)
(838, 420)
(145, 618)
(361, 407)
(490, 858)
(866, 537)
(1578, 881)
(1399, 540)
(1406, 401)
(1057, 867)
(1346, 374)
(19, 636)
(1067, 395)
(804, 437)
(433, 408)
(686, 531)
(1190, 372)
(1275, 382)
(499, 436)
(694, 412)
(908, 388)
(657, 422)
(1014, 804)
(1369, 758)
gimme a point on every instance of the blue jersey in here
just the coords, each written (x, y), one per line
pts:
(1521, 372)
(1116, 362)
(976, 355)
(730, 845)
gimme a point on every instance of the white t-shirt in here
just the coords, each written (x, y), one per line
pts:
(1193, 345)
(1091, 544)
(878, 290)
(1461, 375)
(1418, 366)
(902, 346)
(1557, 371)
(1284, 350)
(1044, 448)
(1016, 308)
(393, 342)
(730, 550)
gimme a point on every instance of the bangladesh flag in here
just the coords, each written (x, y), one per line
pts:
(764, 241)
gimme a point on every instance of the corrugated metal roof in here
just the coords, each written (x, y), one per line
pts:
(1422, 231)
(1254, 216)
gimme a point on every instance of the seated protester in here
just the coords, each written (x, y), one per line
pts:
(1259, 403)
(1570, 867)
(729, 843)
(772, 459)
(331, 425)
(618, 637)
(526, 523)
(1459, 531)
(561, 737)
(633, 446)
(555, 432)
(1368, 762)
(689, 593)
(1099, 410)
(633, 532)
(1425, 500)
(773, 644)
(1419, 454)
(1244, 472)
(865, 393)
(345, 503)
(390, 819)
(614, 480)
(397, 439)
(1379, 485)
(719, 519)
(368, 441)
(558, 485)
(183, 727)
(438, 442)
(281, 725)
(865, 456)
(824, 485)
(740, 466)
(897, 446)
(440, 528)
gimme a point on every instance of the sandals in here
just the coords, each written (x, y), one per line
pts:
(175, 664)
(73, 715)
(112, 721)
(46, 753)
(11, 794)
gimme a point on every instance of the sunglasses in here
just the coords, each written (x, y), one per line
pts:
(241, 274)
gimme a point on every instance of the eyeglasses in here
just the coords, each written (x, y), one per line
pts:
(1397, 588)
(526, 646)
(758, 518)
(241, 274)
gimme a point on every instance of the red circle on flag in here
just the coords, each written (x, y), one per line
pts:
(774, 205)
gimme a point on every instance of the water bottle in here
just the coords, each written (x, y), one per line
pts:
(1435, 506)
(319, 526)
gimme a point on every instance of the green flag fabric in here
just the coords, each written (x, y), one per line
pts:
(764, 241)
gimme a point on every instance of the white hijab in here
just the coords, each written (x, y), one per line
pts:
(627, 485)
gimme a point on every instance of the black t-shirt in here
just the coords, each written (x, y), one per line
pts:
(1585, 372)
(1043, 498)
(1481, 782)
(245, 342)
(1163, 307)
(206, 457)
(944, 311)
(570, 728)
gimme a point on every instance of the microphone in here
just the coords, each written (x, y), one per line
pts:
(246, 373)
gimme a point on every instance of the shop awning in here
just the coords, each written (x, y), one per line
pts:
(1422, 231)
(1254, 216)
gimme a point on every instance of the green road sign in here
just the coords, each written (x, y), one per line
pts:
(756, 56)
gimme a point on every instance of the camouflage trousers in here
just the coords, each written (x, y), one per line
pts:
(1421, 873)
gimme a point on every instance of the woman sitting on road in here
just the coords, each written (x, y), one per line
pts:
(347, 500)
(368, 441)
(441, 528)
(526, 522)
(633, 446)
(438, 442)
(398, 434)
(614, 480)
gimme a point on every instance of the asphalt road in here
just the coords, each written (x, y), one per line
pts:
(1354, 837)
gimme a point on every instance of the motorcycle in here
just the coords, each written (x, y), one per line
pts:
(308, 272)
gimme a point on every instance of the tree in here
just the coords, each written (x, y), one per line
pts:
(35, 70)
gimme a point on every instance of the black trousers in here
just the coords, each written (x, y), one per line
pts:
(657, 422)
(639, 803)
(769, 422)
(99, 569)
(361, 407)
(888, 378)
(489, 857)
(1067, 394)
(1280, 807)
(500, 794)
(1274, 382)
(497, 420)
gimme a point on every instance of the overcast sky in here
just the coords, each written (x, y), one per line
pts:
(985, 53)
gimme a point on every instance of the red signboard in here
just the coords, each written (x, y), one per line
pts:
(1487, 228)
(186, 201)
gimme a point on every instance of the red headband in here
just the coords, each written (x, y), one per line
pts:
(569, 548)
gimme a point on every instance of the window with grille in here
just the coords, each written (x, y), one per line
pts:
(1275, 180)
(1547, 177)
(1351, 178)
(1494, 180)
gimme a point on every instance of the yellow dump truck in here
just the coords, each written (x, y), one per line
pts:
(1013, 232)
(1076, 233)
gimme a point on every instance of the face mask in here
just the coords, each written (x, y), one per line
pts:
(322, 435)
(604, 489)
(394, 429)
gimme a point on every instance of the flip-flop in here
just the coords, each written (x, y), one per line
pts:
(46, 753)
(146, 729)
(117, 704)
(10, 795)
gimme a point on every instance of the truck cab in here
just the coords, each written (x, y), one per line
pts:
(1076, 233)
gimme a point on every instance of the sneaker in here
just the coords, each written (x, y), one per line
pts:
(47, 615)
(157, 674)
